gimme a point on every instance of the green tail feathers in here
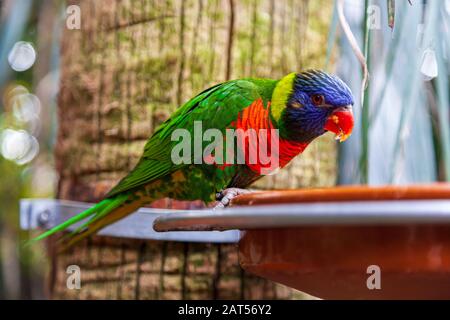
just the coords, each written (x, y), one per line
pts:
(94, 214)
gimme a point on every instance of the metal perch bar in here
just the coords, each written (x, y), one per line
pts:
(359, 213)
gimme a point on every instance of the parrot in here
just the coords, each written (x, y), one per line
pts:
(293, 111)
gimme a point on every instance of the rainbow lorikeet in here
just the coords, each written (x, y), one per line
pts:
(291, 112)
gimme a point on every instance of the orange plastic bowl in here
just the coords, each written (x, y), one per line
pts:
(342, 261)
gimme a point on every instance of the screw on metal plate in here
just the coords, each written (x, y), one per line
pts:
(43, 218)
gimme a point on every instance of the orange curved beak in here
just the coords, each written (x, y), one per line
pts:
(341, 123)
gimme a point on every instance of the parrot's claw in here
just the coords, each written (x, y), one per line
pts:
(224, 197)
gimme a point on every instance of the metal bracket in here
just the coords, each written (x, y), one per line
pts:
(47, 213)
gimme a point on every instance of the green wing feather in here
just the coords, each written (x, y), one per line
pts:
(92, 212)
(217, 107)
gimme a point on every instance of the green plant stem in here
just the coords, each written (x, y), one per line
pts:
(365, 120)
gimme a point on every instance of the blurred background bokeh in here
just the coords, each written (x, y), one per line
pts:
(29, 63)
(403, 129)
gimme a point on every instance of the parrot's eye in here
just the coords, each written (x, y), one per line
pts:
(318, 99)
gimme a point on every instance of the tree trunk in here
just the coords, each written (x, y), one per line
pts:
(131, 64)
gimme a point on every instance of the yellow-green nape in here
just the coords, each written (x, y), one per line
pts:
(281, 94)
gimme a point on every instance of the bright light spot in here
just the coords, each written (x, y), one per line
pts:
(447, 6)
(18, 146)
(22, 56)
(429, 66)
(12, 90)
(26, 107)
(15, 90)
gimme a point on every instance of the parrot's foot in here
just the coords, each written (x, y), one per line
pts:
(224, 197)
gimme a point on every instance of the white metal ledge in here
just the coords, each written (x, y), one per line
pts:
(47, 213)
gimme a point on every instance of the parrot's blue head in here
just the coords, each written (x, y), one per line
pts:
(319, 102)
